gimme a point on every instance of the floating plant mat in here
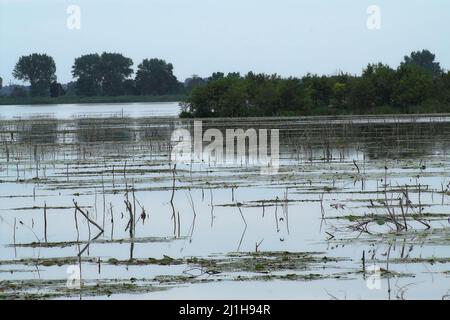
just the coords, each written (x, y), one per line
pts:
(253, 266)
(434, 237)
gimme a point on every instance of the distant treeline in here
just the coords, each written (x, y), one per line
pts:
(106, 74)
(418, 85)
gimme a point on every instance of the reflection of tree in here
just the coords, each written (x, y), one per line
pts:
(151, 130)
(298, 140)
(108, 130)
(403, 141)
(320, 139)
(378, 141)
(37, 131)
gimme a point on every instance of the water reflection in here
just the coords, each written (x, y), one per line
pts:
(299, 141)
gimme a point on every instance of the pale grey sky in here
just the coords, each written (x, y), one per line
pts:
(289, 37)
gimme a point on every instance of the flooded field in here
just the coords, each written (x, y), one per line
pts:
(360, 209)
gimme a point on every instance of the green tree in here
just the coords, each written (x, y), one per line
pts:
(216, 76)
(1, 83)
(290, 95)
(101, 74)
(414, 86)
(56, 89)
(129, 87)
(39, 70)
(19, 92)
(426, 60)
(88, 72)
(319, 88)
(263, 93)
(114, 69)
(339, 93)
(194, 81)
(362, 95)
(155, 77)
(383, 79)
(445, 83)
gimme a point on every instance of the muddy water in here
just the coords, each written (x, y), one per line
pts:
(328, 225)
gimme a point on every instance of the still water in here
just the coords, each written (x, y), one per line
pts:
(358, 210)
(68, 111)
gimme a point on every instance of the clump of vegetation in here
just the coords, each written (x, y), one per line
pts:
(417, 85)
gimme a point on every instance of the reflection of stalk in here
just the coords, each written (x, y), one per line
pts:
(179, 225)
(104, 202)
(191, 203)
(78, 246)
(356, 165)
(245, 229)
(276, 214)
(171, 202)
(403, 214)
(131, 250)
(112, 221)
(173, 182)
(14, 238)
(363, 259)
(45, 221)
(322, 210)
(89, 232)
(212, 207)
(286, 209)
(77, 208)
(391, 212)
(419, 218)
(388, 273)
(263, 208)
(130, 225)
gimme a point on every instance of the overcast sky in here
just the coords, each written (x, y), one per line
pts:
(288, 37)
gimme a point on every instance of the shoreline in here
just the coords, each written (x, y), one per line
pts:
(8, 101)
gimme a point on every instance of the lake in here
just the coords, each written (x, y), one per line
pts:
(68, 111)
(92, 208)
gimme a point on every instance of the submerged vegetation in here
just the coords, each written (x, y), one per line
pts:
(99, 197)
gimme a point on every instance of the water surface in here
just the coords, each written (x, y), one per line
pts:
(229, 231)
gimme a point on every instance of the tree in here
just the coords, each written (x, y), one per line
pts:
(417, 85)
(114, 69)
(290, 95)
(319, 88)
(194, 81)
(56, 90)
(1, 83)
(445, 83)
(263, 92)
(339, 93)
(216, 76)
(19, 91)
(155, 77)
(414, 86)
(383, 79)
(87, 71)
(101, 74)
(129, 87)
(39, 70)
(424, 59)
(362, 95)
